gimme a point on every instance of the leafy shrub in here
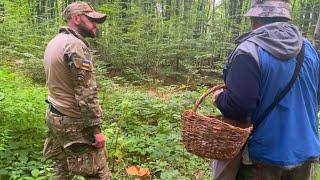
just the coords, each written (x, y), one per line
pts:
(142, 128)
(145, 130)
(22, 108)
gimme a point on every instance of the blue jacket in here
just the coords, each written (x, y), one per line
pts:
(289, 134)
(255, 73)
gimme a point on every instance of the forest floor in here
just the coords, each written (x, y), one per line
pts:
(142, 128)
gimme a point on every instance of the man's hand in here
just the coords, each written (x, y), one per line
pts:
(99, 140)
(216, 94)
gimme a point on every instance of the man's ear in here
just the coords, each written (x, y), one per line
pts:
(75, 18)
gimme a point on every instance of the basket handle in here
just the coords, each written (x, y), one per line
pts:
(201, 98)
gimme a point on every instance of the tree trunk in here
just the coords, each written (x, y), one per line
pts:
(200, 18)
(168, 10)
(307, 17)
(317, 30)
(186, 9)
(2, 10)
(177, 8)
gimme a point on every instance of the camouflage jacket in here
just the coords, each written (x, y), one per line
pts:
(70, 77)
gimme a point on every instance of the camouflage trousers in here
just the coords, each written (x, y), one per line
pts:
(68, 144)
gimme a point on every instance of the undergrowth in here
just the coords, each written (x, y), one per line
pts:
(22, 128)
(142, 128)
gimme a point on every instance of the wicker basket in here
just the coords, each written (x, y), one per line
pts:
(211, 137)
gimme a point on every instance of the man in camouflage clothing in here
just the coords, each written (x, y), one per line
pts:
(75, 142)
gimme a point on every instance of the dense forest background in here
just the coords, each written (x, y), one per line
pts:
(153, 59)
(145, 40)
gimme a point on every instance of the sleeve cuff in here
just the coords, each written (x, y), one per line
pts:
(93, 122)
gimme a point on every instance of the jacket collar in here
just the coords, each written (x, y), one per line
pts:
(68, 30)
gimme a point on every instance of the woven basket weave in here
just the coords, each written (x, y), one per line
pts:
(212, 137)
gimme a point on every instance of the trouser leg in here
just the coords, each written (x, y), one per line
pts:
(227, 169)
(92, 164)
(247, 172)
(269, 172)
(103, 172)
(69, 146)
(259, 172)
(60, 170)
(303, 172)
(60, 167)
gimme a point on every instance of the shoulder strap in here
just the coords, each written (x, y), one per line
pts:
(282, 93)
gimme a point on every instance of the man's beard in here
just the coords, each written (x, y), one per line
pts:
(85, 32)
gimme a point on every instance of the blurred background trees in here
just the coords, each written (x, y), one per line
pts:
(144, 41)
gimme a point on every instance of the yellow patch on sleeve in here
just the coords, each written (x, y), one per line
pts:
(86, 65)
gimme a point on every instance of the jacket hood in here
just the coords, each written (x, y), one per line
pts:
(281, 39)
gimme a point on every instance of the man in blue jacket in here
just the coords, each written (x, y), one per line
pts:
(286, 143)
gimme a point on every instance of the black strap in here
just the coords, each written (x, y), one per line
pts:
(52, 109)
(280, 95)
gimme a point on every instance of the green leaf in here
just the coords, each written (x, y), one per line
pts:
(35, 172)
(23, 158)
(41, 178)
(1, 96)
(29, 178)
(3, 172)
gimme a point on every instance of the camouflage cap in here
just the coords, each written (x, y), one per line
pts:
(80, 7)
(269, 8)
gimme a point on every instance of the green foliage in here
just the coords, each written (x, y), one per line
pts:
(22, 128)
(317, 171)
(142, 41)
(149, 45)
(145, 130)
(146, 43)
(24, 36)
(18, 161)
(21, 102)
(142, 128)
